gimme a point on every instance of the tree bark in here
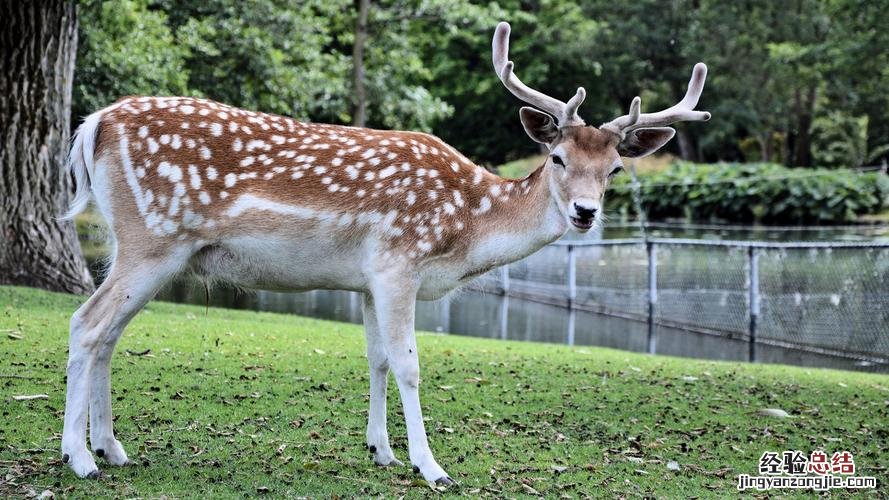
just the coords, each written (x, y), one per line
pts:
(38, 48)
(802, 150)
(359, 99)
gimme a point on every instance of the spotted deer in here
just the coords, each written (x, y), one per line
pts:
(268, 202)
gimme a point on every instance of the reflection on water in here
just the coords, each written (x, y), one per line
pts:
(494, 316)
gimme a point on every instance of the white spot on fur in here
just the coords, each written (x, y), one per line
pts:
(386, 172)
(175, 173)
(483, 206)
(212, 173)
(230, 180)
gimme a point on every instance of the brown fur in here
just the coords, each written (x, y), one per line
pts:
(436, 192)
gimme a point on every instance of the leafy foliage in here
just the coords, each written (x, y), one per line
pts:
(841, 139)
(754, 192)
(779, 71)
(125, 49)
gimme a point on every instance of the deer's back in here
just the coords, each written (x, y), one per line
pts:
(201, 169)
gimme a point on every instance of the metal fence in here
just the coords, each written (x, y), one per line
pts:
(825, 297)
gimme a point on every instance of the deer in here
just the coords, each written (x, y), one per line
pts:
(262, 201)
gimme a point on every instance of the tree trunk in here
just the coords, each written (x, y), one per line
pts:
(687, 150)
(359, 99)
(802, 150)
(765, 147)
(38, 45)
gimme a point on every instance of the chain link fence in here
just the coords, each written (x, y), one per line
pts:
(829, 298)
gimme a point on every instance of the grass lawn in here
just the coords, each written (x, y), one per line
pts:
(234, 403)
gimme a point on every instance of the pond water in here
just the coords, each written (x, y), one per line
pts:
(489, 315)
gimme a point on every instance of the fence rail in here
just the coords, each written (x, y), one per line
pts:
(824, 297)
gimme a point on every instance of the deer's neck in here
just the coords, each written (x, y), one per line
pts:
(523, 218)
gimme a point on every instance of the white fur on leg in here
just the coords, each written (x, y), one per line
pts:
(395, 303)
(102, 437)
(74, 451)
(377, 433)
(132, 286)
(95, 329)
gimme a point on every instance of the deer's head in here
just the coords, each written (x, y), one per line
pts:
(583, 159)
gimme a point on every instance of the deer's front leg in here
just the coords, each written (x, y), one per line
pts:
(377, 433)
(394, 302)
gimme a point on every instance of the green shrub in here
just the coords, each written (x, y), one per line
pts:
(754, 192)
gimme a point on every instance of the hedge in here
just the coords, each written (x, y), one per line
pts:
(753, 192)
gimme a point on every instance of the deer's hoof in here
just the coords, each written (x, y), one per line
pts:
(445, 481)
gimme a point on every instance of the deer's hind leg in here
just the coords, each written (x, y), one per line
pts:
(133, 280)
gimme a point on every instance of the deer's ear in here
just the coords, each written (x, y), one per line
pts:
(538, 125)
(644, 141)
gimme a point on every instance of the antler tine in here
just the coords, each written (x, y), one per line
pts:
(681, 111)
(566, 114)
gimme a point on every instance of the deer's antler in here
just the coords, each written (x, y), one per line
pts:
(565, 113)
(682, 111)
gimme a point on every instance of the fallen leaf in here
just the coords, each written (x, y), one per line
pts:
(29, 398)
(773, 412)
(673, 465)
(529, 490)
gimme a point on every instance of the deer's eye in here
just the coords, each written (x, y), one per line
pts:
(558, 160)
(616, 170)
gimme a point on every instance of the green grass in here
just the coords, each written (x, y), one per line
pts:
(236, 403)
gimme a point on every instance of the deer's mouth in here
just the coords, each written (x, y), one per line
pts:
(583, 224)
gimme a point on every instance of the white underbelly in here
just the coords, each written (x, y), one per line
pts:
(307, 261)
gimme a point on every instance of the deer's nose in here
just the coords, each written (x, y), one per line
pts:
(584, 212)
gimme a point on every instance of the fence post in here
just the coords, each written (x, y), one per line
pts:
(651, 250)
(445, 314)
(504, 279)
(572, 275)
(572, 325)
(752, 299)
(503, 317)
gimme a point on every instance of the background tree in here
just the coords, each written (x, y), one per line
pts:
(38, 45)
(776, 68)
